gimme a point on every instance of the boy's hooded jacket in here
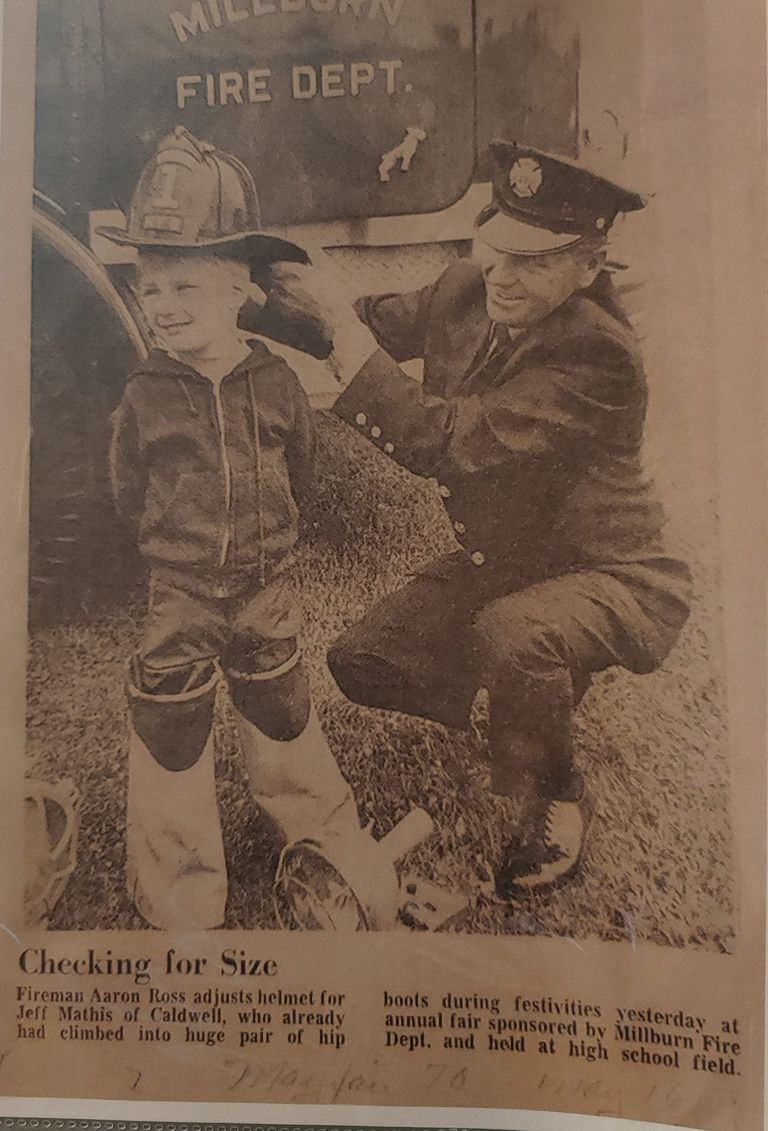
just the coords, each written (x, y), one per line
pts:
(211, 478)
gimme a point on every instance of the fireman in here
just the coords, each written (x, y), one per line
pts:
(530, 419)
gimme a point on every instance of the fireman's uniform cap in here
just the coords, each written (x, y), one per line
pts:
(545, 203)
(192, 195)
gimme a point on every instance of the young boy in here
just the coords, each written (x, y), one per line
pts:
(212, 452)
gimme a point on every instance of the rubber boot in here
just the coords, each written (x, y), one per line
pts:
(175, 865)
(298, 783)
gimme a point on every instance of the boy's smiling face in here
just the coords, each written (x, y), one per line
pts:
(192, 301)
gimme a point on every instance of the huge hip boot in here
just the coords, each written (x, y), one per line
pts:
(298, 783)
(175, 866)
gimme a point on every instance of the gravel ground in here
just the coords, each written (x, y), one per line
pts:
(659, 863)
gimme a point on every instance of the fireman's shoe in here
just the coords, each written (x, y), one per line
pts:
(546, 851)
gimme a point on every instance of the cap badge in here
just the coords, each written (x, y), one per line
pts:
(525, 177)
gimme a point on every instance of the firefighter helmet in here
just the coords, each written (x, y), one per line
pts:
(193, 195)
(50, 829)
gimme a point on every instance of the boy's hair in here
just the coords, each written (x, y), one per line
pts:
(230, 254)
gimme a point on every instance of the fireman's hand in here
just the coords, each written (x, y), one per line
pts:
(317, 302)
(314, 293)
(291, 312)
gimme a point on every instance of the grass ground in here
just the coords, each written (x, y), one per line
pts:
(659, 863)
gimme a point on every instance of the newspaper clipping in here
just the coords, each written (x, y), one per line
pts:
(388, 593)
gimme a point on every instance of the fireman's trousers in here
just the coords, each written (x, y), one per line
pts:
(427, 649)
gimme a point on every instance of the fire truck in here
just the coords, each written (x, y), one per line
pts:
(364, 123)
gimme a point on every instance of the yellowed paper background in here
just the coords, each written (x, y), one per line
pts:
(708, 252)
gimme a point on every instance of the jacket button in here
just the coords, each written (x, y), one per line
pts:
(389, 448)
(375, 431)
(361, 419)
(444, 491)
(477, 558)
(460, 528)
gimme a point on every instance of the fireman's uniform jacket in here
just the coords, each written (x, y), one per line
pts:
(538, 454)
(211, 479)
(536, 448)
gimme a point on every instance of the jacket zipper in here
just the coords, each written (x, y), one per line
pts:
(227, 467)
(259, 478)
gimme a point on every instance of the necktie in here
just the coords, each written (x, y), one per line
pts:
(491, 361)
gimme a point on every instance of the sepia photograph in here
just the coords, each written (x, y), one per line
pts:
(374, 566)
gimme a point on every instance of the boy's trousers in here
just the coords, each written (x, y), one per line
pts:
(193, 623)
